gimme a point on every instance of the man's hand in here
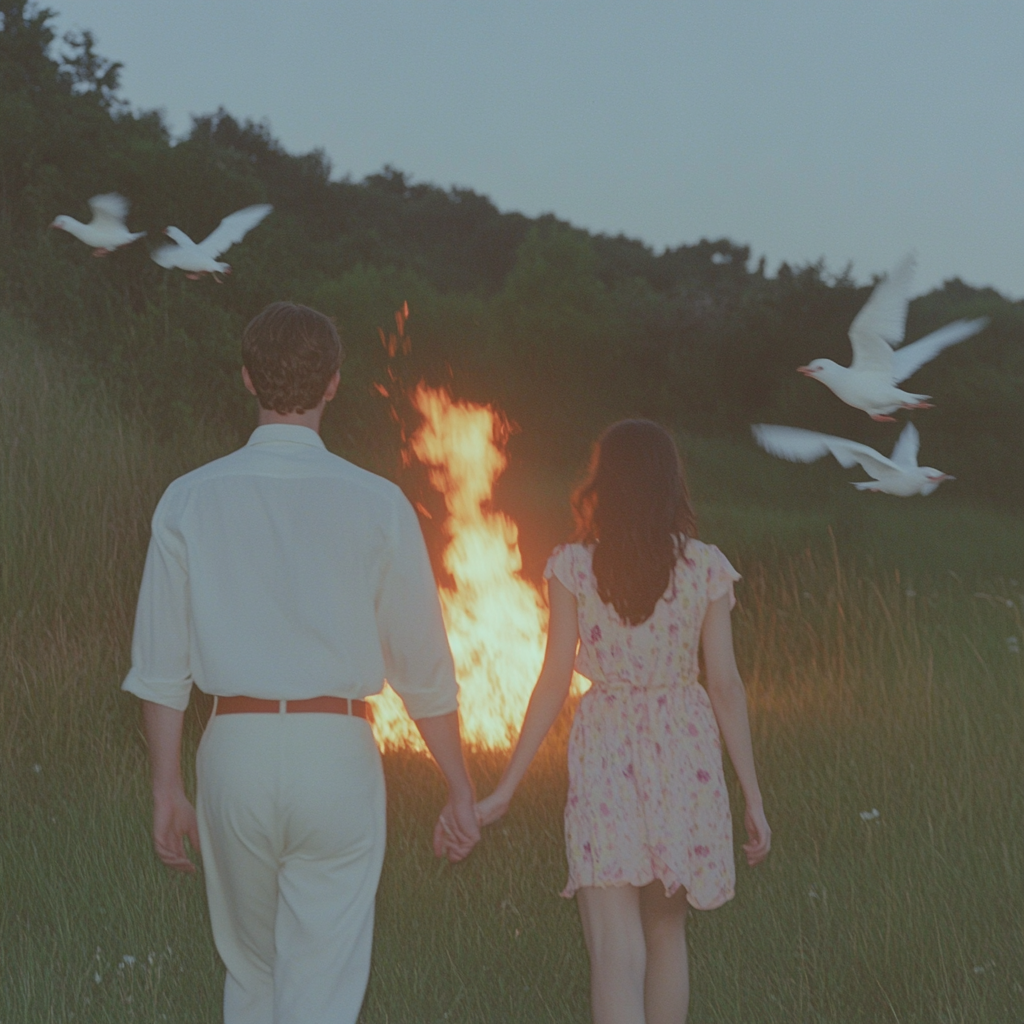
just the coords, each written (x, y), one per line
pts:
(173, 816)
(457, 831)
(173, 819)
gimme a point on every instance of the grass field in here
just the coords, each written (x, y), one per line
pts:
(883, 670)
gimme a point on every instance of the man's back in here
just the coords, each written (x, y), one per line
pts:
(301, 575)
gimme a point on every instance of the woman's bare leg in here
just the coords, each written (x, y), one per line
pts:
(615, 941)
(667, 979)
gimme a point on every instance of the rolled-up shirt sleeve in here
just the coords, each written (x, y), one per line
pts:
(160, 645)
(417, 659)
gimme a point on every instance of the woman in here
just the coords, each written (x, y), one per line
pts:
(647, 823)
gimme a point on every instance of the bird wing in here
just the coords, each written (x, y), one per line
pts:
(904, 454)
(233, 228)
(907, 361)
(109, 208)
(166, 256)
(879, 326)
(798, 445)
(179, 236)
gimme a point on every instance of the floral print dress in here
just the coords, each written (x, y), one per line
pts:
(647, 797)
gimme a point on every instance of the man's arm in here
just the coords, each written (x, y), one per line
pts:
(160, 677)
(418, 665)
(173, 816)
(457, 831)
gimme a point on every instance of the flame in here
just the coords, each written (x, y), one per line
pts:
(496, 620)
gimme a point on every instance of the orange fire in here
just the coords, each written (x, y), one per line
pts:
(496, 620)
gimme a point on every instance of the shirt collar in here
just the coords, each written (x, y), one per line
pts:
(274, 433)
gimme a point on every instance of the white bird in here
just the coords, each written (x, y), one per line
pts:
(899, 475)
(201, 258)
(869, 383)
(106, 231)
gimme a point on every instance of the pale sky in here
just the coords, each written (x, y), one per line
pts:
(853, 131)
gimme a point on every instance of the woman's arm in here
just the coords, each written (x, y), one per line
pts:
(729, 702)
(548, 696)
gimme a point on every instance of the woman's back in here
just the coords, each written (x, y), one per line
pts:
(660, 652)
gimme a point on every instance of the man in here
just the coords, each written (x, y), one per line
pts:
(288, 583)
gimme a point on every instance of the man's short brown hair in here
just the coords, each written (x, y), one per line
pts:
(291, 353)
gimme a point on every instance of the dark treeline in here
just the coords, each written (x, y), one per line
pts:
(564, 330)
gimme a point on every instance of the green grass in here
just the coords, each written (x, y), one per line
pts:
(877, 677)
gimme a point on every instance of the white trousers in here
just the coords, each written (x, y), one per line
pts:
(291, 821)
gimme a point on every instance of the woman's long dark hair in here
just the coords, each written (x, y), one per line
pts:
(635, 509)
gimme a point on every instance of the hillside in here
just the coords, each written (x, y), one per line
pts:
(563, 329)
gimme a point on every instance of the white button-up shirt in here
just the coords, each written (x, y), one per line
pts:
(283, 571)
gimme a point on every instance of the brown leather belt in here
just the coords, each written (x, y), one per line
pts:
(316, 705)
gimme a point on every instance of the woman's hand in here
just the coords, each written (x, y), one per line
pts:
(759, 835)
(493, 807)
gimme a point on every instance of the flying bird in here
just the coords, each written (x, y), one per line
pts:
(899, 475)
(870, 382)
(106, 231)
(198, 258)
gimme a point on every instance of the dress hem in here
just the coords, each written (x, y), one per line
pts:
(671, 883)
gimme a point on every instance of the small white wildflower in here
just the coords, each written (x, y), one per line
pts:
(1013, 645)
(910, 593)
(128, 959)
(37, 768)
(97, 977)
(870, 815)
(151, 958)
(812, 894)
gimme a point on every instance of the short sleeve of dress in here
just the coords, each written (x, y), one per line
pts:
(721, 576)
(560, 565)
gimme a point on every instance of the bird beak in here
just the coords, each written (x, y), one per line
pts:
(942, 476)
(805, 370)
(54, 225)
